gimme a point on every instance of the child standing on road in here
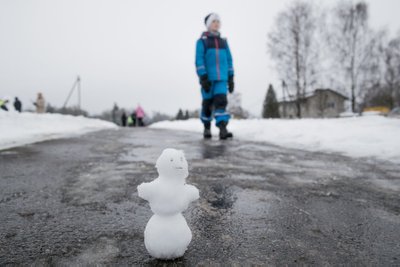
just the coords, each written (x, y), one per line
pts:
(215, 70)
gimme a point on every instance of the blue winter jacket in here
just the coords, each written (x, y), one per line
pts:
(213, 57)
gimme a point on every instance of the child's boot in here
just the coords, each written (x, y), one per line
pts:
(223, 131)
(207, 131)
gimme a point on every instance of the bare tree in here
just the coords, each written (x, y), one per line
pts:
(355, 48)
(235, 106)
(292, 47)
(383, 88)
(392, 70)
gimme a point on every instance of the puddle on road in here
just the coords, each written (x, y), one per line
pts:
(8, 152)
(228, 219)
(141, 148)
(213, 150)
(220, 197)
(141, 153)
(150, 153)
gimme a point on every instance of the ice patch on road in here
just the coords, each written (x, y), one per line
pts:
(250, 202)
(393, 185)
(19, 129)
(357, 137)
(101, 252)
(98, 254)
(248, 177)
(99, 183)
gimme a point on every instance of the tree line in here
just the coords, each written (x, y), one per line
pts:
(313, 47)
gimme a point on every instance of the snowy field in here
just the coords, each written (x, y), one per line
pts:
(25, 128)
(371, 136)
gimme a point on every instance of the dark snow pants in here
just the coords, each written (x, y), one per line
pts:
(214, 103)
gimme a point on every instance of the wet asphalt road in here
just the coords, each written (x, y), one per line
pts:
(74, 202)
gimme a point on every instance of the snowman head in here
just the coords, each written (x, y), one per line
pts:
(172, 164)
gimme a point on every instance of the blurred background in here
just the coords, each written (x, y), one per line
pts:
(142, 52)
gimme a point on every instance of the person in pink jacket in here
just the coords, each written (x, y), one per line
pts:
(140, 115)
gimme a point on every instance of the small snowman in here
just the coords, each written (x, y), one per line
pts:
(167, 234)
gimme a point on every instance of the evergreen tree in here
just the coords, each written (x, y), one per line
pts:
(180, 116)
(187, 115)
(271, 106)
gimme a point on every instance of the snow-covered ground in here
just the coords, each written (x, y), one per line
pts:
(372, 136)
(25, 128)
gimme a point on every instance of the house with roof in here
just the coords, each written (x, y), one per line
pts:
(321, 103)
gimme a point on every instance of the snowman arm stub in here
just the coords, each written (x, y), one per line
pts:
(191, 192)
(144, 191)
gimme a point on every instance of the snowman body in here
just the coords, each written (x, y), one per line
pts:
(167, 234)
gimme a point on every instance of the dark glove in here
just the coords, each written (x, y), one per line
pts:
(205, 83)
(231, 84)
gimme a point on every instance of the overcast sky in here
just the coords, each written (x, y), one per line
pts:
(131, 52)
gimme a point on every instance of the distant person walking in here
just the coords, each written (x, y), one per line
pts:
(3, 104)
(40, 104)
(132, 119)
(140, 115)
(215, 70)
(17, 105)
(124, 118)
(114, 113)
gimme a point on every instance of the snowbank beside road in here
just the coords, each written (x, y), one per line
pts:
(20, 129)
(358, 137)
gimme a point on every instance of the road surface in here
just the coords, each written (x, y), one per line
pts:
(74, 202)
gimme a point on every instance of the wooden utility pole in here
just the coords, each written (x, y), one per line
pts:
(79, 91)
(76, 85)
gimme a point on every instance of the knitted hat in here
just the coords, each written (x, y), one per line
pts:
(210, 18)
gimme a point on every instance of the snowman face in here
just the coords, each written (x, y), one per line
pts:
(172, 164)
